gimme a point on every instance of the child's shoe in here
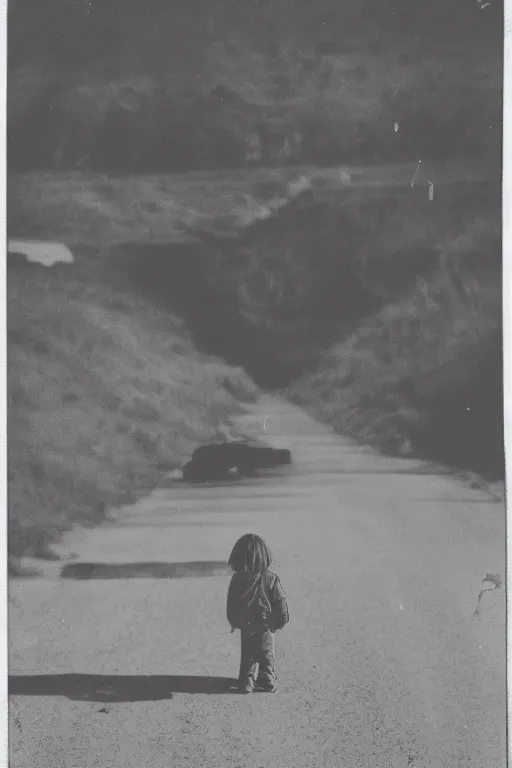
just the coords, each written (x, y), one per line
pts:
(267, 686)
(247, 686)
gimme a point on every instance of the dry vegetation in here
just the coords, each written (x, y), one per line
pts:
(390, 282)
(94, 210)
(298, 281)
(404, 293)
(424, 374)
(105, 394)
(269, 268)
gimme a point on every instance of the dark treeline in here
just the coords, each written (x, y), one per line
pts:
(158, 86)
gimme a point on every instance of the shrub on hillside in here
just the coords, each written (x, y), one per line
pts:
(271, 299)
(425, 373)
(321, 265)
(105, 392)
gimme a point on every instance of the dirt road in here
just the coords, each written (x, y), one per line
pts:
(383, 665)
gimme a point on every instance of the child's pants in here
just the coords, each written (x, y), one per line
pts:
(257, 657)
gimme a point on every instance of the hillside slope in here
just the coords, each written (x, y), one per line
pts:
(106, 393)
(378, 308)
(425, 374)
(307, 276)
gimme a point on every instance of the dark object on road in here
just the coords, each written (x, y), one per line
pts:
(226, 461)
(282, 456)
(150, 570)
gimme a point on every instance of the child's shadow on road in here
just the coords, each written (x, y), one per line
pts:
(116, 688)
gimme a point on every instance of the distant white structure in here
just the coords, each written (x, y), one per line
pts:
(38, 252)
(301, 184)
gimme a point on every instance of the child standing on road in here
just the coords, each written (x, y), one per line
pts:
(257, 606)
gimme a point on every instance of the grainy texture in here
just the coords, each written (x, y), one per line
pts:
(106, 394)
(383, 663)
(95, 210)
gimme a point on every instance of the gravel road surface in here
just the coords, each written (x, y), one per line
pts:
(121, 656)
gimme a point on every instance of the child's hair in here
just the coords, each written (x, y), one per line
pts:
(250, 553)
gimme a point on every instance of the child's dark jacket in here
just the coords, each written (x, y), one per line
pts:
(238, 601)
